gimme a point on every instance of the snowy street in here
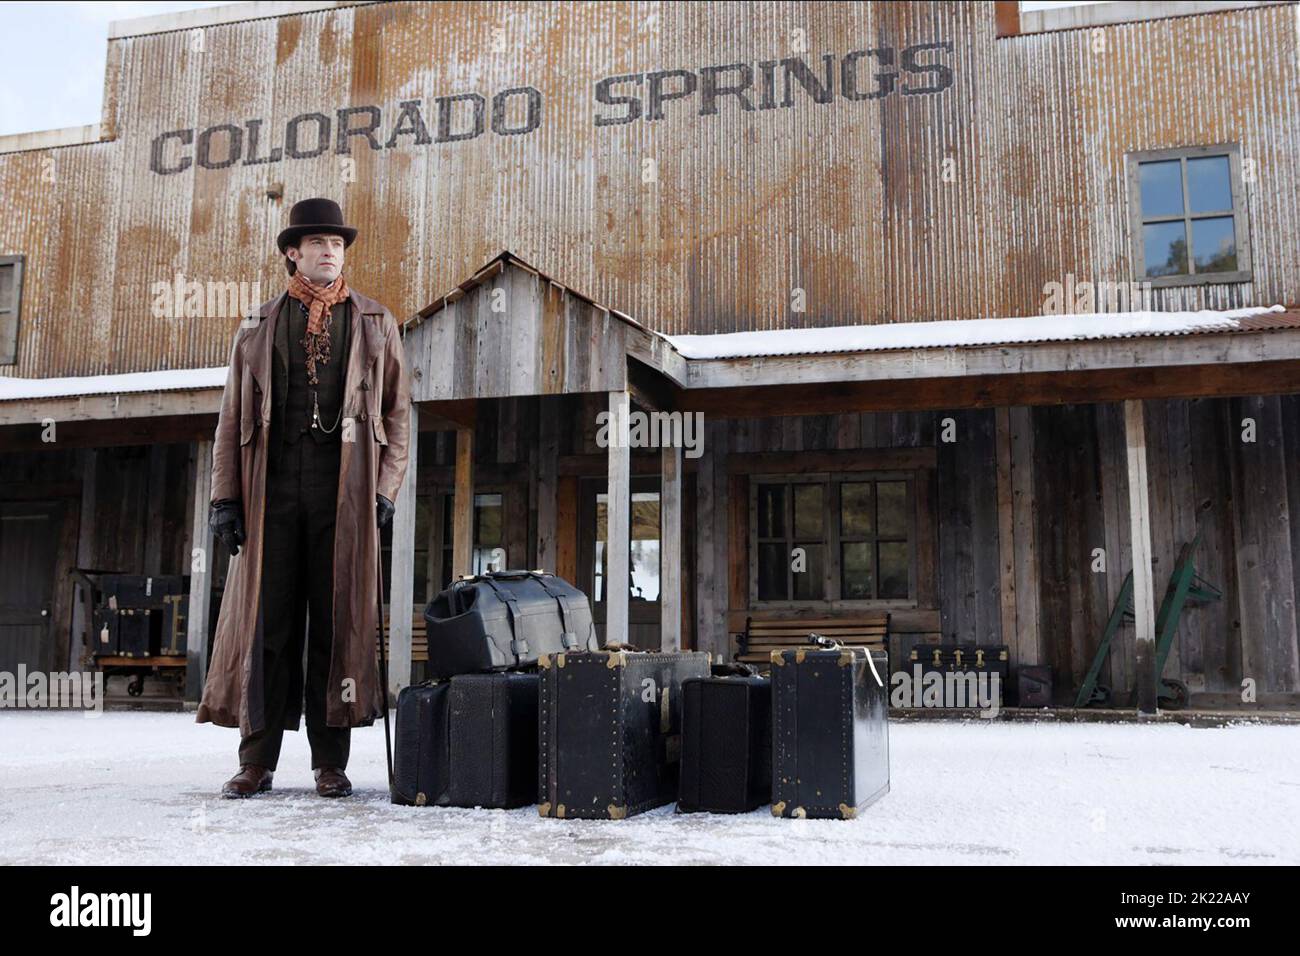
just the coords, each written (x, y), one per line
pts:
(142, 788)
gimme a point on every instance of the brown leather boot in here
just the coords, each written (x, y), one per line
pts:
(251, 779)
(332, 782)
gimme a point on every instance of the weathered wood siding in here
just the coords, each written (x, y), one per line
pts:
(516, 333)
(954, 204)
(1239, 495)
(1069, 501)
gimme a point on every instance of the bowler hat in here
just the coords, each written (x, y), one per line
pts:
(315, 216)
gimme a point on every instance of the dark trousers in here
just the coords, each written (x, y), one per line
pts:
(298, 601)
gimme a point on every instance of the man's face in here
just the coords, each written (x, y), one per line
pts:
(319, 257)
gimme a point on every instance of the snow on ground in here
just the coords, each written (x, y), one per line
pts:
(143, 788)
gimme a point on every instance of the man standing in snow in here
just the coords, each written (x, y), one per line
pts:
(309, 454)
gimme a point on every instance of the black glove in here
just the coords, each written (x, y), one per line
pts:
(226, 521)
(383, 510)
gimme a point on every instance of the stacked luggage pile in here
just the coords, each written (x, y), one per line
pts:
(525, 708)
(137, 615)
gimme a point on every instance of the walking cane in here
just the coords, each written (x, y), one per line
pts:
(383, 665)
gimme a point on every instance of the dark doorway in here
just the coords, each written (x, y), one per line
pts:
(643, 563)
(30, 532)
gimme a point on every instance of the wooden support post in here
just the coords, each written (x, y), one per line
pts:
(670, 549)
(1026, 648)
(401, 599)
(1006, 530)
(548, 463)
(81, 621)
(201, 558)
(1144, 662)
(618, 525)
(462, 528)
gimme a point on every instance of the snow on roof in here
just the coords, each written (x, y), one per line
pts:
(166, 380)
(965, 333)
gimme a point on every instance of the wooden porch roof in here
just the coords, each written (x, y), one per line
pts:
(511, 330)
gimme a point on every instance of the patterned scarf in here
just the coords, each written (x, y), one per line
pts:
(319, 300)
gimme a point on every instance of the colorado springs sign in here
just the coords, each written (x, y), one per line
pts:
(859, 75)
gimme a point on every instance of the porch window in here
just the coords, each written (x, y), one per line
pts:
(832, 539)
(1188, 214)
(490, 550)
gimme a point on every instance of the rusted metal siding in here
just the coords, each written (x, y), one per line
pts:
(847, 201)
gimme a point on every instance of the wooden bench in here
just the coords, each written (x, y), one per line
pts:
(419, 638)
(761, 638)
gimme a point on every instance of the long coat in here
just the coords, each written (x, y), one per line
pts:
(376, 422)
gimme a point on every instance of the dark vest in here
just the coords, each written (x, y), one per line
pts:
(291, 416)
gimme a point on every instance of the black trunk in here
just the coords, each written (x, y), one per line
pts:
(610, 731)
(830, 731)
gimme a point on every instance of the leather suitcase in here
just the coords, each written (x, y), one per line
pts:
(609, 731)
(493, 730)
(830, 731)
(505, 619)
(421, 751)
(726, 744)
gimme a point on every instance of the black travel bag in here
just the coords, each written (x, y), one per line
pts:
(422, 758)
(609, 731)
(505, 619)
(467, 742)
(830, 731)
(726, 744)
(493, 730)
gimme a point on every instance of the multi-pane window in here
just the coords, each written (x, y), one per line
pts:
(490, 552)
(11, 288)
(832, 538)
(1189, 216)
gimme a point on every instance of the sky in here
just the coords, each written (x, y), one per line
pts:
(52, 58)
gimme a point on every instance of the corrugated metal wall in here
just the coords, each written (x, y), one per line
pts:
(846, 200)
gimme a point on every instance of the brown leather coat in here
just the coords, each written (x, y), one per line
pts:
(376, 423)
